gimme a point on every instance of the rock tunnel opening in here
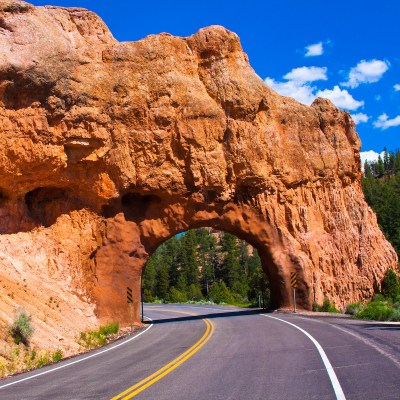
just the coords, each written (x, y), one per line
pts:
(138, 225)
(207, 265)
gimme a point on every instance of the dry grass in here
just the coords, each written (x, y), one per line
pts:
(16, 358)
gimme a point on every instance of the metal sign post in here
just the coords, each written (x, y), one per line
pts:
(142, 304)
(293, 282)
(294, 300)
(129, 301)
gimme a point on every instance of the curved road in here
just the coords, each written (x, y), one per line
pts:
(211, 352)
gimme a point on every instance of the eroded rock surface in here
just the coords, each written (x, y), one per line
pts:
(147, 139)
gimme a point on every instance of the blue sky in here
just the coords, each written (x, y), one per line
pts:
(346, 50)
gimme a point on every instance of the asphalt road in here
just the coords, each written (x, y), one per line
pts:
(210, 352)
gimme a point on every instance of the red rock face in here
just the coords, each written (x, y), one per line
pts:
(155, 137)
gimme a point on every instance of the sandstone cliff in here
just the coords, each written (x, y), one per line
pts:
(107, 149)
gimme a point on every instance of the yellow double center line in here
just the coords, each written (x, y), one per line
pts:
(166, 369)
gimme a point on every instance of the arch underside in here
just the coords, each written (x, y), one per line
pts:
(137, 224)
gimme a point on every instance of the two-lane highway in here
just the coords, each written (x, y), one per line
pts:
(211, 352)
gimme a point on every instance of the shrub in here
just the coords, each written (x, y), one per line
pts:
(92, 339)
(354, 308)
(177, 296)
(219, 293)
(21, 330)
(14, 7)
(194, 293)
(239, 291)
(390, 286)
(3, 366)
(148, 297)
(110, 329)
(327, 306)
(378, 297)
(377, 310)
(396, 312)
(43, 358)
(57, 355)
(315, 306)
(17, 358)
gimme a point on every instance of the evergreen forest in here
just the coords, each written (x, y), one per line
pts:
(381, 186)
(206, 265)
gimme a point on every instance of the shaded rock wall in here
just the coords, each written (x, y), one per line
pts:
(151, 138)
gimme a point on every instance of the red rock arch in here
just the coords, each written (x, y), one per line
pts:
(129, 243)
(135, 142)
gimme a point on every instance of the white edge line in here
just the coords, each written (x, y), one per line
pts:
(369, 343)
(361, 338)
(80, 360)
(332, 376)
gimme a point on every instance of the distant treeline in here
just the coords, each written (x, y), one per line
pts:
(203, 264)
(381, 185)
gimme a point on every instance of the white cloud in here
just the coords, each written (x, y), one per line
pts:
(366, 72)
(341, 98)
(360, 117)
(314, 50)
(384, 122)
(297, 84)
(369, 156)
(299, 91)
(307, 74)
(397, 87)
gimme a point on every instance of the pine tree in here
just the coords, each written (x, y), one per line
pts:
(254, 263)
(194, 292)
(244, 257)
(149, 280)
(390, 286)
(379, 167)
(230, 266)
(232, 272)
(367, 170)
(396, 162)
(259, 292)
(219, 293)
(391, 163)
(386, 165)
(207, 257)
(170, 252)
(381, 186)
(182, 284)
(163, 282)
(189, 257)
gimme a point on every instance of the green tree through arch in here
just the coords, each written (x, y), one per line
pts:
(204, 264)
